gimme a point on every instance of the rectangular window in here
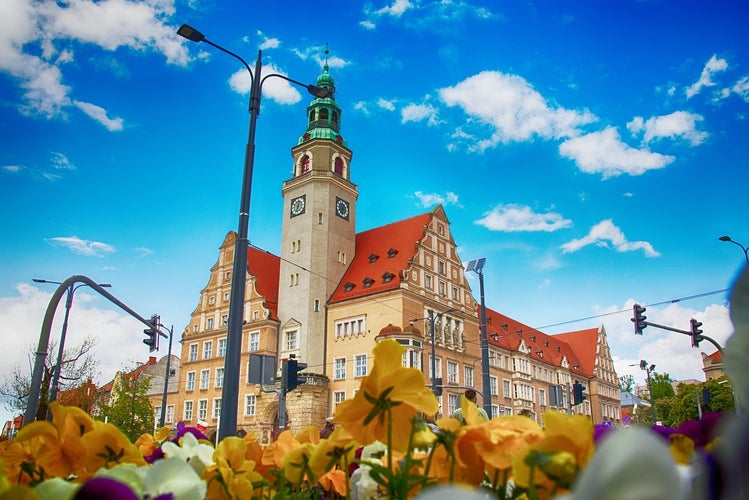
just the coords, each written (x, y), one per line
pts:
(495, 411)
(361, 365)
(169, 414)
(437, 367)
(209, 324)
(339, 370)
(443, 289)
(338, 398)
(452, 372)
(542, 397)
(219, 378)
(193, 352)
(221, 348)
(317, 305)
(188, 411)
(350, 326)
(207, 349)
(506, 389)
(217, 408)
(493, 386)
(453, 403)
(190, 385)
(205, 376)
(202, 409)
(442, 268)
(254, 341)
(290, 341)
(428, 282)
(249, 405)
(456, 294)
(225, 319)
(468, 376)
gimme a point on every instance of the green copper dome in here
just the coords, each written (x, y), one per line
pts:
(323, 114)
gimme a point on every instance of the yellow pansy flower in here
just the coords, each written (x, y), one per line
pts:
(389, 398)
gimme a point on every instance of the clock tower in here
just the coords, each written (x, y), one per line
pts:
(318, 237)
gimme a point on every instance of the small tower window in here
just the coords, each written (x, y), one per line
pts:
(338, 166)
(324, 115)
(335, 119)
(304, 164)
(312, 116)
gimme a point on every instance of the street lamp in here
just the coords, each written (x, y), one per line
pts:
(477, 266)
(743, 248)
(432, 318)
(54, 389)
(230, 393)
(648, 370)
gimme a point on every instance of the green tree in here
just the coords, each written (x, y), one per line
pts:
(719, 399)
(129, 407)
(627, 383)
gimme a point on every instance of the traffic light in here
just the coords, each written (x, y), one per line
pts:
(152, 334)
(289, 370)
(578, 393)
(638, 319)
(696, 331)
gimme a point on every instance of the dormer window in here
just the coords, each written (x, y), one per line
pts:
(533, 338)
(540, 354)
(546, 343)
(388, 277)
(392, 253)
(367, 282)
(557, 348)
(373, 258)
(348, 286)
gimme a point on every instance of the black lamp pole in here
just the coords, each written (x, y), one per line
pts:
(54, 388)
(230, 392)
(743, 248)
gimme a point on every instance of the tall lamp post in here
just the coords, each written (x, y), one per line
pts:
(230, 392)
(54, 388)
(743, 248)
(433, 362)
(477, 266)
(648, 370)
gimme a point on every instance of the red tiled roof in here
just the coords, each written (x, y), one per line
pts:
(381, 253)
(717, 356)
(265, 267)
(585, 345)
(507, 333)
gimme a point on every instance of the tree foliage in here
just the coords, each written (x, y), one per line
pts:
(627, 383)
(129, 408)
(77, 369)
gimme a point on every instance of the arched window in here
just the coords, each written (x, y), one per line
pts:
(324, 115)
(335, 118)
(304, 164)
(338, 166)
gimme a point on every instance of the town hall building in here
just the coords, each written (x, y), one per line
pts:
(334, 292)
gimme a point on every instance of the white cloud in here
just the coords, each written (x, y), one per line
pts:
(418, 113)
(605, 234)
(386, 104)
(276, 89)
(713, 66)
(741, 88)
(430, 199)
(604, 152)
(513, 218)
(512, 109)
(82, 247)
(362, 107)
(60, 162)
(268, 42)
(31, 32)
(396, 9)
(367, 25)
(679, 124)
(100, 115)
(118, 334)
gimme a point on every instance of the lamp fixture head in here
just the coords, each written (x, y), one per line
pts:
(187, 31)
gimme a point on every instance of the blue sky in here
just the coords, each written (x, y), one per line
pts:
(592, 152)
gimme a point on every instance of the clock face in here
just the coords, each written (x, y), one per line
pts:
(297, 205)
(341, 208)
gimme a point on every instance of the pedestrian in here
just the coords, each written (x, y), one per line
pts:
(328, 429)
(470, 395)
